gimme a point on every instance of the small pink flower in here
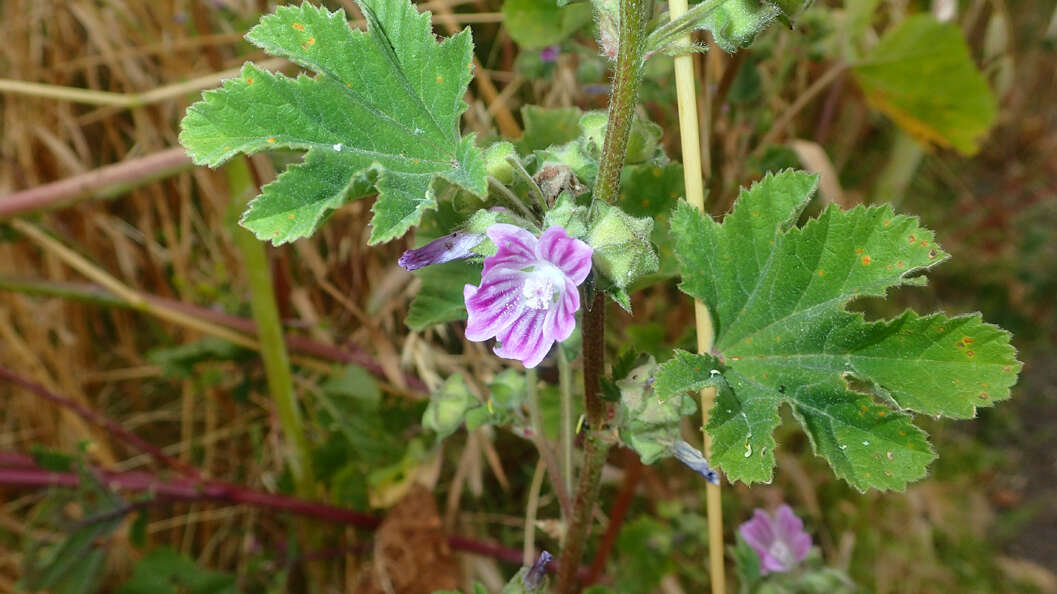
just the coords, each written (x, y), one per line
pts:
(528, 297)
(779, 540)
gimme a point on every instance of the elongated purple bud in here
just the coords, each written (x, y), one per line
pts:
(456, 246)
(692, 457)
(534, 578)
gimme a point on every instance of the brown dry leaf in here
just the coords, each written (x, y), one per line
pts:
(411, 552)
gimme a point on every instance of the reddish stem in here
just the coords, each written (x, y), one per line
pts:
(103, 182)
(93, 417)
(25, 474)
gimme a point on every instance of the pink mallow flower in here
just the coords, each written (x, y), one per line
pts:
(528, 297)
(779, 540)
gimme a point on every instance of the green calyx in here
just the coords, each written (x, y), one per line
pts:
(622, 249)
(497, 162)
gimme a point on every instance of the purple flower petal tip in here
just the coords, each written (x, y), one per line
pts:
(527, 299)
(550, 53)
(779, 539)
(455, 246)
(692, 457)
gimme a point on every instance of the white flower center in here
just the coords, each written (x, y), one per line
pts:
(781, 552)
(542, 285)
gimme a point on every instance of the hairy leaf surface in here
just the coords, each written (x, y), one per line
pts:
(778, 292)
(382, 110)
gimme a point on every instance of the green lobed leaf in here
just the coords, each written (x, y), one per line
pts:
(778, 294)
(548, 127)
(383, 110)
(922, 76)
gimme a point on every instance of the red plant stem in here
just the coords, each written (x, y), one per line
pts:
(632, 474)
(104, 182)
(93, 417)
(29, 475)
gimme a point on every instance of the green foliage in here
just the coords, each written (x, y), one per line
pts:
(645, 548)
(440, 299)
(179, 361)
(548, 127)
(777, 294)
(74, 563)
(164, 571)
(383, 110)
(922, 76)
(535, 24)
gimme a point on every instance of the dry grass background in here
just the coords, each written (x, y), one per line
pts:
(171, 239)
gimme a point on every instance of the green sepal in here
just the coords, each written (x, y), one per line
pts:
(568, 215)
(622, 249)
(497, 164)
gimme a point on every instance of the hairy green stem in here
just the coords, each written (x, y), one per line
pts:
(632, 43)
(270, 333)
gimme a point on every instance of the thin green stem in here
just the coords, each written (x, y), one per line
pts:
(520, 170)
(565, 386)
(511, 199)
(270, 334)
(544, 446)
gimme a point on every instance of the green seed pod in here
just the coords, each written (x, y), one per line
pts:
(448, 406)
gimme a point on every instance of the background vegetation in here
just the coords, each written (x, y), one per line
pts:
(125, 311)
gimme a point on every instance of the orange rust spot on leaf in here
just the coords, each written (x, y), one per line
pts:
(924, 243)
(983, 396)
(292, 217)
(821, 272)
(858, 250)
(270, 139)
(887, 221)
(900, 264)
(912, 239)
(970, 354)
(440, 79)
(298, 26)
(249, 80)
(866, 260)
(968, 340)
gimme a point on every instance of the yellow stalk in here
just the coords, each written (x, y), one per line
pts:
(695, 195)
